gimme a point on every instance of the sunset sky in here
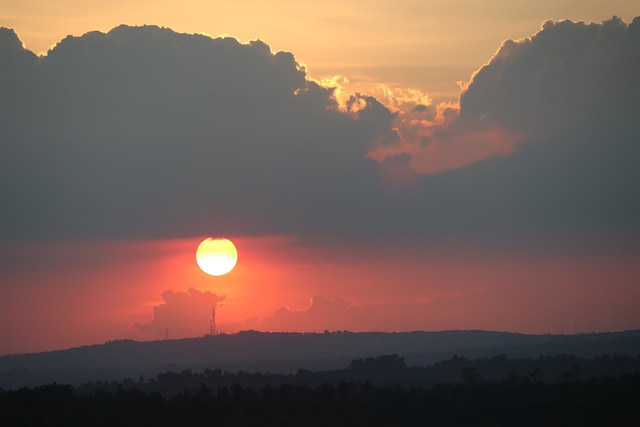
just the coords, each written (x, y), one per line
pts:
(380, 166)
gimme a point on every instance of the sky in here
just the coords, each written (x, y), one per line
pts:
(380, 166)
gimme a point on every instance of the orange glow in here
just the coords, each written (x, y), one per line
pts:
(441, 143)
(100, 290)
(216, 257)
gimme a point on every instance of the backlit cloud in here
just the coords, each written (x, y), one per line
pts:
(566, 77)
(444, 142)
(146, 132)
(339, 314)
(181, 315)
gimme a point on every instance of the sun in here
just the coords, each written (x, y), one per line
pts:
(216, 256)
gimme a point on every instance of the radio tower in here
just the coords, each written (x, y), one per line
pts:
(212, 321)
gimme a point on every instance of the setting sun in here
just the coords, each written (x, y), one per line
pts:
(216, 257)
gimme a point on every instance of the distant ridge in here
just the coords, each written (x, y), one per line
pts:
(287, 352)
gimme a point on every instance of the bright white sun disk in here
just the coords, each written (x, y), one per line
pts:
(216, 256)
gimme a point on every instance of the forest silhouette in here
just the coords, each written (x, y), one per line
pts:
(253, 351)
(556, 390)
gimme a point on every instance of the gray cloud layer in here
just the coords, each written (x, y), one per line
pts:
(146, 132)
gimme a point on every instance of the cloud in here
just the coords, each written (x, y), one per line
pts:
(181, 315)
(341, 314)
(144, 132)
(444, 143)
(545, 133)
(566, 75)
(322, 313)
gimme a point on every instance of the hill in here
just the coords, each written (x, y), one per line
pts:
(287, 352)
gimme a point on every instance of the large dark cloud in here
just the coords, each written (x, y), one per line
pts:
(146, 132)
(143, 131)
(565, 76)
(562, 107)
(573, 90)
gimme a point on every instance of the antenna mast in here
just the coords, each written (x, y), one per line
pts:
(212, 321)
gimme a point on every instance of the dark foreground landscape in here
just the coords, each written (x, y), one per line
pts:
(284, 353)
(372, 391)
(456, 378)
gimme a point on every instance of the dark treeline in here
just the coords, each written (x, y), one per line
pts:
(390, 370)
(558, 390)
(595, 402)
(282, 352)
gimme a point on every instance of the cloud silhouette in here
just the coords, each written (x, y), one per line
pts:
(567, 75)
(565, 78)
(146, 132)
(338, 313)
(181, 315)
(544, 138)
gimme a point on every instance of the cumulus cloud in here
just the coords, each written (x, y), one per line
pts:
(444, 142)
(142, 131)
(338, 313)
(322, 313)
(566, 77)
(181, 315)
(146, 131)
(552, 117)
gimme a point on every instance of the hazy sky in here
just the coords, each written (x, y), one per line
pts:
(402, 200)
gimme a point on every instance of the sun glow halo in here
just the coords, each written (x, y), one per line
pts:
(216, 256)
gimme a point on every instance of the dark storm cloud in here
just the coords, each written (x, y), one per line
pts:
(146, 132)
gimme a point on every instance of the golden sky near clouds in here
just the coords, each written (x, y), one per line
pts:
(423, 44)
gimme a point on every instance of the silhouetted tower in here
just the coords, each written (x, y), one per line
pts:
(212, 321)
(166, 333)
